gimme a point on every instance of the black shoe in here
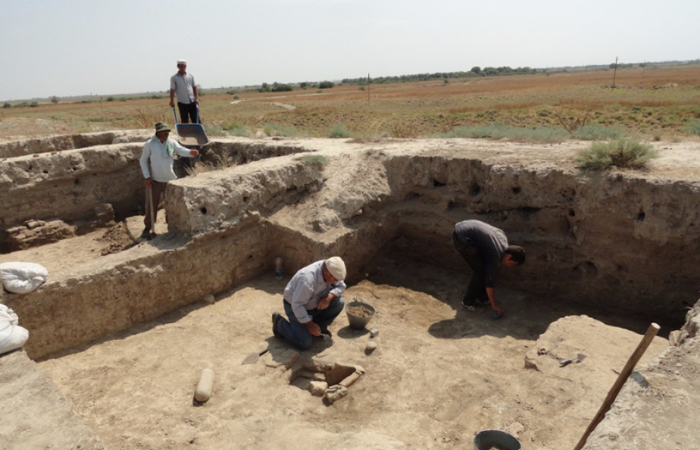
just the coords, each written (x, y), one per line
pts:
(327, 333)
(146, 234)
(275, 318)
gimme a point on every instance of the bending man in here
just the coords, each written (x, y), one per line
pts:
(312, 301)
(484, 248)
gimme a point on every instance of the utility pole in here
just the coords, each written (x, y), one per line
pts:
(368, 88)
(614, 73)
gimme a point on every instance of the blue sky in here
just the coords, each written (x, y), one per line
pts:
(80, 47)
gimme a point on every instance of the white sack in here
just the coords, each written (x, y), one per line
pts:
(12, 336)
(22, 277)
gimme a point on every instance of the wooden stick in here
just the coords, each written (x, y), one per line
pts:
(149, 190)
(617, 387)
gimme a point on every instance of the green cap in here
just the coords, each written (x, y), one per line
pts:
(160, 126)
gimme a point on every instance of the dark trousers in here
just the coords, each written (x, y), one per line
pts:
(157, 190)
(476, 291)
(297, 334)
(188, 112)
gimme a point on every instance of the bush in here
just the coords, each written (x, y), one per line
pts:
(33, 105)
(616, 153)
(339, 131)
(693, 127)
(281, 87)
(7, 105)
(55, 99)
(235, 129)
(496, 131)
(598, 133)
(325, 85)
(279, 130)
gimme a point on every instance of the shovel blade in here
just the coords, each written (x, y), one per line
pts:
(253, 357)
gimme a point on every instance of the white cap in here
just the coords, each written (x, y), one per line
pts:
(181, 61)
(336, 267)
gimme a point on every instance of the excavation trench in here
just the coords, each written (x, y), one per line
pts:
(612, 246)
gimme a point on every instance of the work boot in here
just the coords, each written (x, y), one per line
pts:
(146, 234)
(275, 318)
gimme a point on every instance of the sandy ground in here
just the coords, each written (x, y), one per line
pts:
(439, 374)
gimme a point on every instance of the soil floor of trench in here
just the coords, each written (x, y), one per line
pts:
(438, 375)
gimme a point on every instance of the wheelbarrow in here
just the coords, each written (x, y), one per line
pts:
(191, 134)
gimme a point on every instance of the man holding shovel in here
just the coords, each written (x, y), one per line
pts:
(312, 301)
(157, 168)
(484, 248)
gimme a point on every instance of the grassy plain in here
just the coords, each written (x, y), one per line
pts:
(646, 103)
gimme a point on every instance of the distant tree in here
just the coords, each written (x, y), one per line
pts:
(264, 88)
(6, 105)
(33, 104)
(281, 87)
(304, 84)
(476, 70)
(55, 99)
(325, 85)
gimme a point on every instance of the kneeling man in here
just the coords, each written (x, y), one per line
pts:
(312, 301)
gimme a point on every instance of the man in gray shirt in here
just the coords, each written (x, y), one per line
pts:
(484, 248)
(312, 301)
(182, 84)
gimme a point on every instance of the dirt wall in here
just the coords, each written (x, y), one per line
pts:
(613, 240)
(70, 142)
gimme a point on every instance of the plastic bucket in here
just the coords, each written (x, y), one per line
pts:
(359, 322)
(488, 439)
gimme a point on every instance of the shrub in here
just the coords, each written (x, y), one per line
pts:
(214, 130)
(616, 153)
(279, 130)
(339, 131)
(281, 87)
(693, 127)
(496, 131)
(598, 133)
(6, 105)
(33, 104)
(316, 160)
(110, 99)
(55, 99)
(325, 85)
(235, 129)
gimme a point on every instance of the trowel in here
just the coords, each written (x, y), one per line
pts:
(565, 362)
(253, 357)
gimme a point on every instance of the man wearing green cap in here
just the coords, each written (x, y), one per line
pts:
(157, 167)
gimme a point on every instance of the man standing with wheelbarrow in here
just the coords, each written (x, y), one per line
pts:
(182, 84)
(157, 168)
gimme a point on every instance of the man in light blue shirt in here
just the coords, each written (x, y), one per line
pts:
(183, 86)
(312, 301)
(157, 168)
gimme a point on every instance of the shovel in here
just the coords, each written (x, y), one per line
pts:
(253, 357)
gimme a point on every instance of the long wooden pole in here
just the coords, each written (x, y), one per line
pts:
(617, 387)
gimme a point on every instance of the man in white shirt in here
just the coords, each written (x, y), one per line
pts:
(182, 84)
(312, 301)
(160, 152)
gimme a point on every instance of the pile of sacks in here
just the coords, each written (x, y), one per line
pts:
(12, 336)
(18, 278)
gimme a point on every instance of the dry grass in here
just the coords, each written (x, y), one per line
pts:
(647, 103)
